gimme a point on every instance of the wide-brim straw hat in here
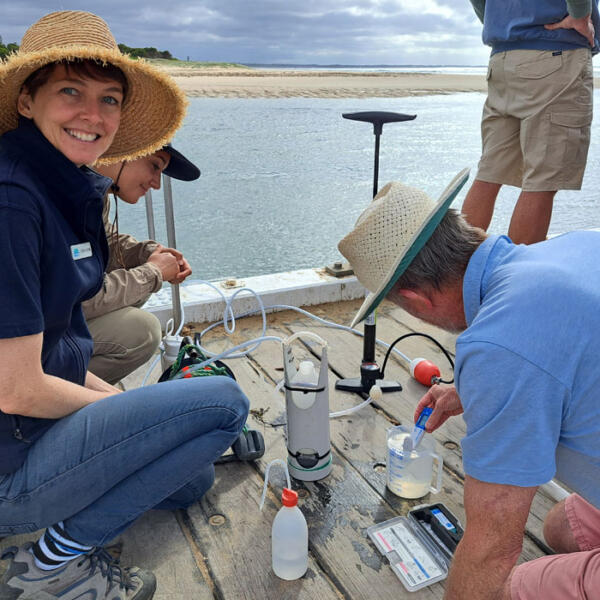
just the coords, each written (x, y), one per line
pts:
(153, 109)
(390, 233)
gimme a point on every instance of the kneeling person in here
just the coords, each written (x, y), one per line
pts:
(529, 325)
(125, 336)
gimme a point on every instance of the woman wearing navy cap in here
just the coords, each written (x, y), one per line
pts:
(126, 336)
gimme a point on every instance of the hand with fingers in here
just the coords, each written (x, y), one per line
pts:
(171, 256)
(582, 25)
(445, 403)
(166, 262)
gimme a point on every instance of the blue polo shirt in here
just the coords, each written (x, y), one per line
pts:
(526, 366)
(53, 253)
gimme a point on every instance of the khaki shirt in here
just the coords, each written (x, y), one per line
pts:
(124, 286)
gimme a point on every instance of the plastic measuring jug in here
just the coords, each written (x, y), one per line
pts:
(410, 473)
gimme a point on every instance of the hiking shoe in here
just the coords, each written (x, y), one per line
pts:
(93, 576)
(115, 550)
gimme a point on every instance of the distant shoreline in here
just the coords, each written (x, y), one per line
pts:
(232, 82)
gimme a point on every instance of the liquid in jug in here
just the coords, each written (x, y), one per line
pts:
(409, 474)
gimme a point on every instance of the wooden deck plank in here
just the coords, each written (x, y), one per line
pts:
(196, 557)
(338, 509)
(361, 442)
(235, 539)
(344, 358)
(154, 542)
(360, 438)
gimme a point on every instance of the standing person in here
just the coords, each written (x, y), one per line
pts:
(535, 128)
(125, 336)
(76, 456)
(530, 400)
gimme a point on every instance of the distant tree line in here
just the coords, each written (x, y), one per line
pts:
(145, 52)
(5, 50)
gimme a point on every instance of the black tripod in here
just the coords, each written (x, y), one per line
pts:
(369, 369)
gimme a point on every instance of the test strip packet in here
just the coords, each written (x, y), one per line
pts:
(417, 556)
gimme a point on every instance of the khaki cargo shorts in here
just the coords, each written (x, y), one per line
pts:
(535, 129)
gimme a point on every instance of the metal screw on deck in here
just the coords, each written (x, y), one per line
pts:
(369, 369)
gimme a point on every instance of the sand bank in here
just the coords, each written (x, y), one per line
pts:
(256, 83)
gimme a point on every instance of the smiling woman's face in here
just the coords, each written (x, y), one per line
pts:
(79, 116)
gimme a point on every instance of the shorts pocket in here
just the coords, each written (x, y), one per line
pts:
(570, 120)
(538, 69)
(568, 139)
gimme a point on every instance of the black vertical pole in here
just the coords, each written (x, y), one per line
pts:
(370, 373)
(370, 337)
(376, 166)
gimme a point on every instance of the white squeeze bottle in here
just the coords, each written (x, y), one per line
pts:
(289, 539)
(307, 374)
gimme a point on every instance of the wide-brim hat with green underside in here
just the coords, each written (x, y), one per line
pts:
(390, 233)
(153, 109)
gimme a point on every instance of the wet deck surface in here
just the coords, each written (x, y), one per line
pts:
(220, 547)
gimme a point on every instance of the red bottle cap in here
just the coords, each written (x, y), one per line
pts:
(289, 497)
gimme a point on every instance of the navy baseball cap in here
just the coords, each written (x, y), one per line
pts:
(179, 166)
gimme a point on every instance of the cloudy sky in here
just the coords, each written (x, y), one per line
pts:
(423, 32)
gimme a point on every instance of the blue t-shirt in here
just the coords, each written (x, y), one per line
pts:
(526, 366)
(519, 25)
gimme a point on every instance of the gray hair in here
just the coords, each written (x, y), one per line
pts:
(444, 257)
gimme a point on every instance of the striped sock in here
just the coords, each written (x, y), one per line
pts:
(55, 548)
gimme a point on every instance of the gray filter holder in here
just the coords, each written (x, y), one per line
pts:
(307, 407)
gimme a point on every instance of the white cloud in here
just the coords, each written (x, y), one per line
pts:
(426, 7)
(300, 31)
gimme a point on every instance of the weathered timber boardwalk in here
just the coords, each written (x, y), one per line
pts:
(220, 547)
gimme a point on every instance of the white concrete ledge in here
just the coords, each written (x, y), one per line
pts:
(305, 287)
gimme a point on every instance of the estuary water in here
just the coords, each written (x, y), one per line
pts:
(283, 180)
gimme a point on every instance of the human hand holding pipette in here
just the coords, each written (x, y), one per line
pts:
(445, 402)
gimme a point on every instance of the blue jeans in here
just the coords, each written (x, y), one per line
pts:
(100, 468)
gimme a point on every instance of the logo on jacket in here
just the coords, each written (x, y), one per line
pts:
(79, 251)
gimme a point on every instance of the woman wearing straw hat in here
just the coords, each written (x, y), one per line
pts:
(125, 336)
(75, 457)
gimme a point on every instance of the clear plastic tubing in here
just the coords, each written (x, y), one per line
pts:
(375, 394)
